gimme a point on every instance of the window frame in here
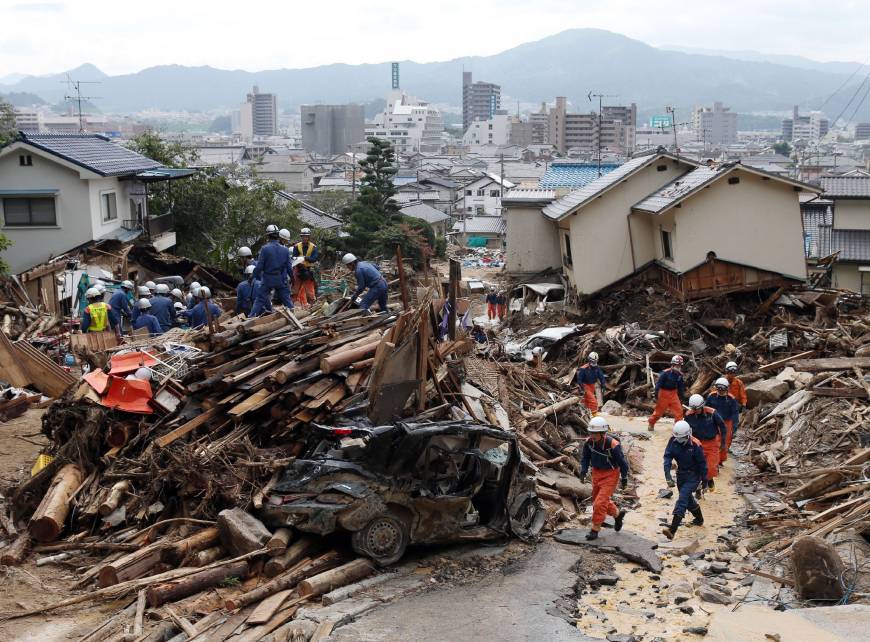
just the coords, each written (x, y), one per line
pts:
(104, 206)
(28, 199)
(667, 240)
(569, 255)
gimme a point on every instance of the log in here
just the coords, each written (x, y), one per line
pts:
(199, 541)
(16, 552)
(139, 620)
(241, 532)
(819, 484)
(782, 362)
(334, 578)
(278, 544)
(832, 363)
(296, 369)
(131, 566)
(289, 579)
(297, 551)
(48, 520)
(114, 499)
(160, 594)
(208, 556)
(267, 608)
(337, 360)
(556, 408)
(350, 590)
(190, 426)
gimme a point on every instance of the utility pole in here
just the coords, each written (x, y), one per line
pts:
(674, 123)
(600, 97)
(76, 86)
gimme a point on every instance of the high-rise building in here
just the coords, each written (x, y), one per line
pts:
(332, 129)
(410, 124)
(716, 126)
(612, 132)
(539, 124)
(480, 100)
(862, 131)
(259, 115)
(812, 127)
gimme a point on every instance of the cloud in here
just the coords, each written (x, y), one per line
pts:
(41, 7)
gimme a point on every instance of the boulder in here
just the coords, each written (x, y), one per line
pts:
(241, 532)
(802, 380)
(612, 407)
(787, 375)
(709, 594)
(765, 391)
(817, 569)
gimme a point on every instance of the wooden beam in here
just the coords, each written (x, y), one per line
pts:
(185, 428)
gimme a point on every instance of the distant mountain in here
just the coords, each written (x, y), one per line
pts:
(570, 63)
(21, 99)
(11, 79)
(778, 59)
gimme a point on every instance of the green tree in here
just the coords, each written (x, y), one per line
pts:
(170, 154)
(8, 130)
(782, 148)
(375, 208)
(331, 201)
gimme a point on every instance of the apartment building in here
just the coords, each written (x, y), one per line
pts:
(331, 129)
(811, 127)
(715, 126)
(612, 132)
(410, 124)
(480, 100)
(259, 115)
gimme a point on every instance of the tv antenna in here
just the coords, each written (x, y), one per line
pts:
(673, 126)
(600, 98)
(76, 86)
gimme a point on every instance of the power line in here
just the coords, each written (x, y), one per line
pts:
(855, 95)
(845, 82)
(858, 106)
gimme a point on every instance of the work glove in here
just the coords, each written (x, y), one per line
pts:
(623, 484)
(671, 483)
(582, 478)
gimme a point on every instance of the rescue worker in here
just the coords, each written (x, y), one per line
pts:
(193, 295)
(501, 305)
(491, 304)
(145, 319)
(177, 296)
(303, 274)
(726, 405)
(687, 452)
(481, 341)
(604, 454)
(181, 313)
(143, 293)
(96, 316)
(709, 429)
(738, 390)
(247, 291)
(271, 270)
(198, 316)
(669, 391)
(120, 304)
(152, 287)
(536, 361)
(367, 276)
(101, 288)
(588, 375)
(245, 257)
(284, 236)
(162, 308)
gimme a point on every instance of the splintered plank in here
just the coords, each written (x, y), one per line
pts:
(250, 403)
(183, 429)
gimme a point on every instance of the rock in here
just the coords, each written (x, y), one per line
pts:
(701, 566)
(603, 579)
(241, 532)
(665, 493)
(765, 391)
(688, 610)
(816, 568)
(708, 594)
(629, 545)
(621, 637)
(681, 598)
(787, 375)
(681, 587)
(719, 567)
(802, 380)
(612, 407)
(696, 630)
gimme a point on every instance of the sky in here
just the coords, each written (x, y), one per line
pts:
(120, 36)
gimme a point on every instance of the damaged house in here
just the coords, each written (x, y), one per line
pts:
(702, 229)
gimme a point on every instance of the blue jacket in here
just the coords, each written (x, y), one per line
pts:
(492, 298)
(590, 374)
(607, 457)
(163, 308)
(671, 379)
(246, 292)
(367, 276)
(272, 264)
(197, 316)
(706, 423)
(726, 405)
(147, 320)
(120, 305)
(190, 301)
(689, 457)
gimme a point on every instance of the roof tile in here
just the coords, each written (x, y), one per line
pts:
(93, 152)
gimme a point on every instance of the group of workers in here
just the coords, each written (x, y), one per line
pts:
(698, 446)
(496, 304)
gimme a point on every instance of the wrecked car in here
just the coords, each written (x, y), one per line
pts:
(423, 483)
(546, 339)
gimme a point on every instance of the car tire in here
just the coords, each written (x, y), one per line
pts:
(384, 539)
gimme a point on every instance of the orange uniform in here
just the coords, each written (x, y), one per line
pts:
(737, 389)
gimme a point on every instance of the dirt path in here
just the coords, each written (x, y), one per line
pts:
(640, 604)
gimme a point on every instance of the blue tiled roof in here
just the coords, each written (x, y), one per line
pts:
(573, 175)
(92, 152)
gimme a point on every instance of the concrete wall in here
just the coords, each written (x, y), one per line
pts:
(755, 222)
(599, 231)
(852, 214)
(34, 245)
(532, 240)
(331, 129)
(847, 276)
(97, 188)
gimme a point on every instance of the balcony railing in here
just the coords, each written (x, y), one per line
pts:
(131, 224)
(158, 225)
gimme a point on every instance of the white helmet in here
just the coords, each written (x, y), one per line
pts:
(144, 304)
(721, 382)
(100, 287)
(682, 431)
(245, 251)
(195, 291)
(696, 401)
(92, 293)
(538, 350)
(195, 285)
(204, 293)
(305, 231)
(598, 424)
(348, 258)
(676, 360)
(178, 305)
(177, 293)
(127, 284)
(284, 233)
(593, 356)
(143, 373)
(143, 291)
(272, 230)
(162, 288)
(151, 285)
(730, 367)
(250, 269)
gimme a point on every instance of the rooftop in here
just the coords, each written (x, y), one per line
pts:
(480, 225)
(424, 212)
(853, 245)
(310, 215)
(529, 196)
(92, 152)
(573, 174)
(854, 186)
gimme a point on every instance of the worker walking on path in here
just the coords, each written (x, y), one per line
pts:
(588, 375)
(726, 405)
(501, 305)
(711, 431)
(491, 304)
(303, 273)
(670, 390)
(145, 319)
(604, 454)
(367, 276)
(737, 389)
(272, 269)
(97, 314)
(687, 452)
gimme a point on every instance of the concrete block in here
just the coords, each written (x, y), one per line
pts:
(765, 391)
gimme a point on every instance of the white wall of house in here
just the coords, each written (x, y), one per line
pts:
(481, 197)
(600, 248)
(532, 240)
(852, 214)
(755, 222)
(101, 222)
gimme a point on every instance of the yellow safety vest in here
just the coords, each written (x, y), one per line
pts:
(99, 317)
(306, 254)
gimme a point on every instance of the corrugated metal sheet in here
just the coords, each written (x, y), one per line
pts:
(480, 225)
(528, 195)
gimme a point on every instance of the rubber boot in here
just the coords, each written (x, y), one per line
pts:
(591, 535)
(671, 530)
(650, 427)
(698, 515)
(699, 491)
(710, 486)
(617, 521)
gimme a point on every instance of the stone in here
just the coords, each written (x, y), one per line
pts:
(612, 407)
(629, 545)
(240, 532)
(816, 568)
(681, 598)
(786, 375)
(802, 380)
(719, 567)
(680, 587)
(603, 579)
(688, 610)
(765, 391)
(708, 594)
(696, 630)
(666, 493)
(621, 637)
(701, 566)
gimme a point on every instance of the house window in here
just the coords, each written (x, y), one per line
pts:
(494, 193)
(109, 206)
(24, 212)
(481, 192)
(667, 247)
(479, 211)
(569, 258)
(25, 160)
(468, 192)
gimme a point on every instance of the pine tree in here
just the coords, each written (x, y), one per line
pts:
(375, 208)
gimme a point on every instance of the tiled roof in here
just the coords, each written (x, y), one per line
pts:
(424, 212)
(92, 152)
(480, 225)
(441, 182)
(310, 215)
(846, 186)
(529, 196)
(815, 216)
(853, 245)
(570, 174)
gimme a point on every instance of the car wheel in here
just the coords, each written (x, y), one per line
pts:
(527, 516)
(384, 539)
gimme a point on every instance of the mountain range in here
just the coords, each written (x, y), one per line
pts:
(571, 63)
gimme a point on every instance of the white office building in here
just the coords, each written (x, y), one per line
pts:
(494, 131)
(410, 124)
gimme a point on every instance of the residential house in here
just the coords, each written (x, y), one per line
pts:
(480, 231)
(61, 191)
(532, 242)
(572, 174)
(482, 196)
(310, 215)
(294, 176)
(436, 218)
